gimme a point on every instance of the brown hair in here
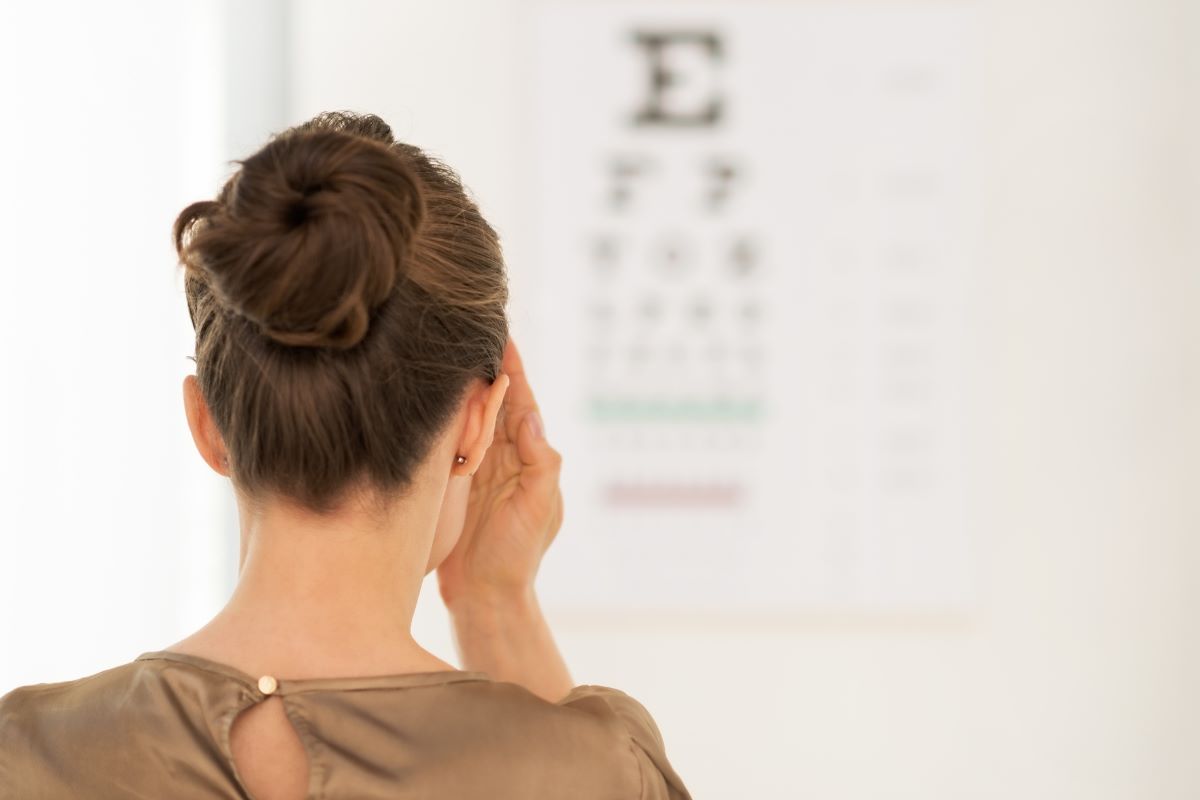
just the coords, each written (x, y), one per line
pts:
(344, 290)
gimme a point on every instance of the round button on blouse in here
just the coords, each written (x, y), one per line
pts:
(267, 684)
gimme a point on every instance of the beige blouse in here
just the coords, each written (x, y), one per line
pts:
(158, 727)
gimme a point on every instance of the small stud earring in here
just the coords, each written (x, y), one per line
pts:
(460, 459)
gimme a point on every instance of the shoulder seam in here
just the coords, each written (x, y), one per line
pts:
(641, 769)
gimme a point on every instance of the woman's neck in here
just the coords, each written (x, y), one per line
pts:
(325, 596)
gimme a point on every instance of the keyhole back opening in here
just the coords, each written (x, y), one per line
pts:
(268, 755)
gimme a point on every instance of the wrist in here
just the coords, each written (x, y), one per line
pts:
(505, 634)
(493, 603)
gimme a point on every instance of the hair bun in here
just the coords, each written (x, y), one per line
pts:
(309, 236)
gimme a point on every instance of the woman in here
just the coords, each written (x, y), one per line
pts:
(355, 381)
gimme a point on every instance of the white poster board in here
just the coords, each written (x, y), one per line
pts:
(754, 225)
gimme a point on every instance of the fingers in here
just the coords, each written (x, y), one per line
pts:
(519, 400)
(540, 463)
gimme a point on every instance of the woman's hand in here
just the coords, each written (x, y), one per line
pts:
(514, 506)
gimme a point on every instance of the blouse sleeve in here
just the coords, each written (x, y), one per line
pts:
(659, 779)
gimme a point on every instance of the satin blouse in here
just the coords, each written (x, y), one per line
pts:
(158, 727)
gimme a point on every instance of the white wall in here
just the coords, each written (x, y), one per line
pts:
(111, 530)
(1076, 677)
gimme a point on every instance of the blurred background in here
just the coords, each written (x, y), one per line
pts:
(867, 333)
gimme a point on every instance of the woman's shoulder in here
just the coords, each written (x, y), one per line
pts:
(39, 722)
(659, 778)
(593, 721)
(34, 697)
(68, 713)
(500, 734)
(616, 706)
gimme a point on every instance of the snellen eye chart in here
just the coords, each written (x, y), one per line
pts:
(754, 230)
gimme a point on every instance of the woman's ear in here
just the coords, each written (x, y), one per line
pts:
(482, 410)
(204, 431)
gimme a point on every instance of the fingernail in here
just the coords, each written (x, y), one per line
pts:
(535, 424)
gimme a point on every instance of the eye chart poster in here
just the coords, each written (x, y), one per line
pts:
(754, 230)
